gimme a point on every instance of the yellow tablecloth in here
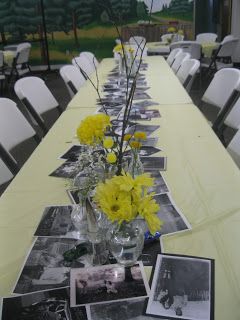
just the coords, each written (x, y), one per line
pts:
(203, 180)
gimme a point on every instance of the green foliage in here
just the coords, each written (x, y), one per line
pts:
(142, 10)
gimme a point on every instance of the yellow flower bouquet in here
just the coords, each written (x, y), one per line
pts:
(123, 198)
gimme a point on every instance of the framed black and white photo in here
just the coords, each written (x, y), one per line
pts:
(121, 310)
(62, 221)
(50, 304)
(107, 283)
(66, 170)
(149, 129)
(46, 268)
(172, 217)
(182, 288)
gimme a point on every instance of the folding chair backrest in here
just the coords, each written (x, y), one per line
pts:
(23, 52)
(228, 38)
(84, 64)
(233, 118)
(14, 127)
(192, 47)
(172, 55)
(220, 89)
(206, 37)
(227, 48)
(137, 40)
(234, 148)
(90, 56)
(187, 72)
(37, 93)
(182, 56)
(73, 78)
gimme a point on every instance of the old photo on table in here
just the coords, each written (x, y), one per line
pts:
(122, 310)
(51, 304)
(160, 185)
(173, 219)
(107, 283)
(72, 153)
(154, 163)
(66, 170)
(58, 221)
(145, 151)
(45, 267)
(182, 288)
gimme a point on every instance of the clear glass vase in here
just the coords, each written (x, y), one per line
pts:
(135, 167)
(126, 242)
(79, 220)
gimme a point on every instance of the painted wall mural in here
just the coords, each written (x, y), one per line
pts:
(85, 25)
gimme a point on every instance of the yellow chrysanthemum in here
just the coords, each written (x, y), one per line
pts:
(108, 143)
(127, 137)
(171, 30)
(135, 144)
(119, 48)
(122, 198)
(111, 157)
(91, 130)
(140, 135)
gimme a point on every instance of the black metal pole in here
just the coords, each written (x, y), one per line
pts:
(45, 33)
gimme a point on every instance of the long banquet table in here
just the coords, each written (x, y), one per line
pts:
(203, 180)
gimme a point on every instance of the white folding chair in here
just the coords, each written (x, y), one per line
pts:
(222, 57)
(192, 47)
(20, 64)
(72, 78)
(90, 56)
(187, 72)
(14, 129)
(221, 87)
(37, 98)
(228, 38)
(182, 56)
(85, 67)
(234, 148)
(172, 55)
(206, 37)
(137, 40)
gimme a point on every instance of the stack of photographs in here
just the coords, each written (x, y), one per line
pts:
(182, 288)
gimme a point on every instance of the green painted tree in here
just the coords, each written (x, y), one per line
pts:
(142, 10)
(180, 6)
(79, 13)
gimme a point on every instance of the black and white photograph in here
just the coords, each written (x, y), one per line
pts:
(143, 152)
(160, 185)
(149, 129)
(182, 288)
(72, 153)
(150, 142)
(154, 163)
(110, 111)
(145, 104)
(62, 221)
(173, 219)
(66, 170)
(107, 283)
(122, 310)
(44, 305)
(46, 266)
